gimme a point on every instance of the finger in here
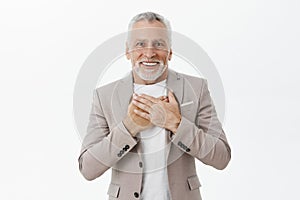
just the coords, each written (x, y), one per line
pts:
(142, 114)
(163, 98)
(149, 98)
(141, 105)
(143, 100)
(172, 98)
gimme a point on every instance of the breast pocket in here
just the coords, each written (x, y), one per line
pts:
(188, 110)
(113, 190)
(186, 106)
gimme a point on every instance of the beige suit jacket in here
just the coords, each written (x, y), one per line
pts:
(108, 144)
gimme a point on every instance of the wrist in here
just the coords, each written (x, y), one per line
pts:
(129, 125)
(175, 125)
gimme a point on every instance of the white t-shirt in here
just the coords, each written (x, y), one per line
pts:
(154, 150)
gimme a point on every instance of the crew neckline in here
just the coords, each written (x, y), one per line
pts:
(159, 83)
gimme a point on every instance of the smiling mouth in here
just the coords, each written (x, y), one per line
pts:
(149, 64)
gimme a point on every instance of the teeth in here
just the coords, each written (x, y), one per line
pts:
(149, 63)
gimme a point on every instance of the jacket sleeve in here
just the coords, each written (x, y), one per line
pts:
(204, 138)
(103, 146)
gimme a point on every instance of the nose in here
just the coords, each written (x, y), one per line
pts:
(149, 52)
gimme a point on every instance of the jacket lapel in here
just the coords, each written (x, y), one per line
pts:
(175, 84)
(124, 93)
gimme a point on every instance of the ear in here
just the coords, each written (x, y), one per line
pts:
(170, 55)
(127, 52)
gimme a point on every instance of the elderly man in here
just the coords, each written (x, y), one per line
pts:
(151, 125)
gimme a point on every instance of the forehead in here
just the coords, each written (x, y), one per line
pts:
(154, 30)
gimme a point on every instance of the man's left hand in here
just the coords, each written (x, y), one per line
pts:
(161, 113)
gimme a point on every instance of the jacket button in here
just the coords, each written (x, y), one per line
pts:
(140, 164)
(188, 150)
(136, 195)
(126, 146)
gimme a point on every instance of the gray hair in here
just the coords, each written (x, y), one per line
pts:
(151, 16)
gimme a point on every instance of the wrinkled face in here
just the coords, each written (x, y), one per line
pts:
(149, 50)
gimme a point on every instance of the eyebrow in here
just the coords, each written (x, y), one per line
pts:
(139, 40)
(160, 40)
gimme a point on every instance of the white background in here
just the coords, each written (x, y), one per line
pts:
(254, 45)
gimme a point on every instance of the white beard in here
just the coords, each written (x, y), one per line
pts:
(151, 74)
